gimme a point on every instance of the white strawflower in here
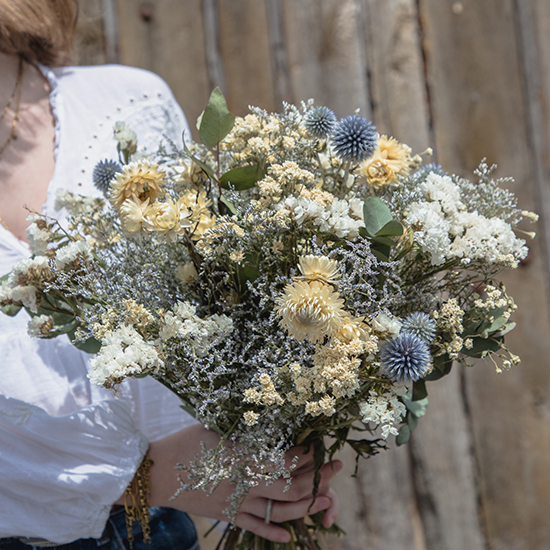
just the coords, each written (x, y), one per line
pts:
(386, 325)
(38, 238)
(40, 325)
(123, 353)
(72, 252)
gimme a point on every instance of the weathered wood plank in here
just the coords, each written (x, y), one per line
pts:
(89, 44)
(478, 107)
(167, 37)
(325, 54)
(395, 66)
(246, 54)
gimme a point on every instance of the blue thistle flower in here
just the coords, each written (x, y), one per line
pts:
(319, 122)
(104, 172)
(421, 325)
(354, 138)
(405, 359)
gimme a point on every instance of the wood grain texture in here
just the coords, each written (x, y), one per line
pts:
(89, 44)
(248, 67)
(325, 54)
(167, 37)
(479, 109)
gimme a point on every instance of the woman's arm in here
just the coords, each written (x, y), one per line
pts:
(183, 446)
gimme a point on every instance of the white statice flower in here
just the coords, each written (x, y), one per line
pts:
(38, 238)
(431, 230)
(184, 323)
(331, 218)
(123, 353)
(385, 325)
(444, 229)
(40, 325)
(384, 410)
(74, 203)
(486, 239)
(71, 252)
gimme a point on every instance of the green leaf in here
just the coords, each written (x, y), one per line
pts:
(216, 121)
(391, 229)
(419, 390)
(89, 346)
(510, 325)
(376, 215)
(11, 309)
(229, 204)
(243, 177)
(199, 120)
(404, 435)
(442, 367)
(204, 166)
(483, 346)
(382, 252)
(412, 421)
(418, 408)
(383, 240)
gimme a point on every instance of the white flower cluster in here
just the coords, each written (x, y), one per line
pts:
(71, 253)
(26, 294)
(384, 410)
(40, 325)
(184, 323)
(38, 238)
(74, 203)
(340, 217)
(444, 229)
(123, 353)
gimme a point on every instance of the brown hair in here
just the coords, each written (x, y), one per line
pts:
(38, 30)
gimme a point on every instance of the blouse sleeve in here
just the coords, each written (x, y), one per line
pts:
(46, 489)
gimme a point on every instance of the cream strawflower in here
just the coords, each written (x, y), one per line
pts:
(170, 218)
(390, 161)
(319, 268)
(141, 179)
(310, 310)
(133, 213)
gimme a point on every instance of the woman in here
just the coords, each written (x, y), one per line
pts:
(69, 450)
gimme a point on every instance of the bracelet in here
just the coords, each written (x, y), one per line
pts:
(136, 502)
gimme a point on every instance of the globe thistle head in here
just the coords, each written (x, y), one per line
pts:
(104, 172)
(405, 359)
(320, 122)
(354, 139)
(421, 325)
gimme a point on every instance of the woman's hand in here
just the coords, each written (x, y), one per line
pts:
(286, 505)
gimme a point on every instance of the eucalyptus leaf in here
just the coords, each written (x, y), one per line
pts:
(204, 166)
(384, 240)
(89, 346)
(404, 435)
(11, 309)
(412, 421)
(243, 177)
(418, 408)
(376, 215)
(419, 390)
(483, 346)
(510, 325)
(391, 229)
(229, 204)
(216, 121)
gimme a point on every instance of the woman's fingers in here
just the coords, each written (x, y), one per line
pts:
(280, 512)
(301, 485)
(333, 510)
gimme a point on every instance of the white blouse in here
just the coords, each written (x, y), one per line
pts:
(69, 449)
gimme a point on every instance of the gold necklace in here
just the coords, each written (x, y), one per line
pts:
(17, 95)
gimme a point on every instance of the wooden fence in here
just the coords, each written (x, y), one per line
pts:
(470, 78)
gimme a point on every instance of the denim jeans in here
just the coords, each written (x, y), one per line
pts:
(170, 530)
